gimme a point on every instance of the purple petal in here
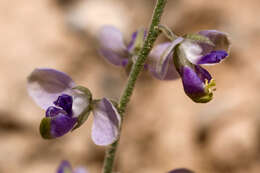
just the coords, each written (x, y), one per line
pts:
(61, 124)
(45, 85)
(202, 73)
(105, 129)
(192, 83)
(181, 170)
(220, 39)
(64, 101)
(112, 45)
(213, 57)
(160, 61)
(64, 167)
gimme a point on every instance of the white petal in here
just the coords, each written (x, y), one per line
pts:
(106, 125)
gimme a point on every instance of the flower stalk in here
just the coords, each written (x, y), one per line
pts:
(135, 71)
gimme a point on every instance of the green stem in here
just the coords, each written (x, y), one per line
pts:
(135, 71)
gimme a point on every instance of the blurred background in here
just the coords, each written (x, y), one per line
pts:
(163, 128)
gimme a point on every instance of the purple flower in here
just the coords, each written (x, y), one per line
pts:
(181, 170)
(67, 107)
(191, 51)
(113, 48)
(65, 167)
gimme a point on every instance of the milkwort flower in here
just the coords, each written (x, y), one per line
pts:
(189, 52)
(113, 48)
(65, 167)
(67, 107)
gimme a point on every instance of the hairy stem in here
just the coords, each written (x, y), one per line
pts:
(135, 71)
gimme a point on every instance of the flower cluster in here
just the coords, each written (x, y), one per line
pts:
(67, 106)
(182, 55)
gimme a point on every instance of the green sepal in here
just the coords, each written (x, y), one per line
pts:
(199, 38)
(85, 90)
(139, 41)
(45, 128)
(203, 99)
(167, 32)
(85, 114)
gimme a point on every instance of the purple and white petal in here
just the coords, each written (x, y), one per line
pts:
(160, 60)
(213, 57)
(201, 53)
(105, 129)
(46, 85)
(64, 167)
(181, 170)
(220, 39)
(112, 45)
(155, 58)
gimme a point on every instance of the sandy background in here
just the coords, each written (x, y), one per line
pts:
(164, 129)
